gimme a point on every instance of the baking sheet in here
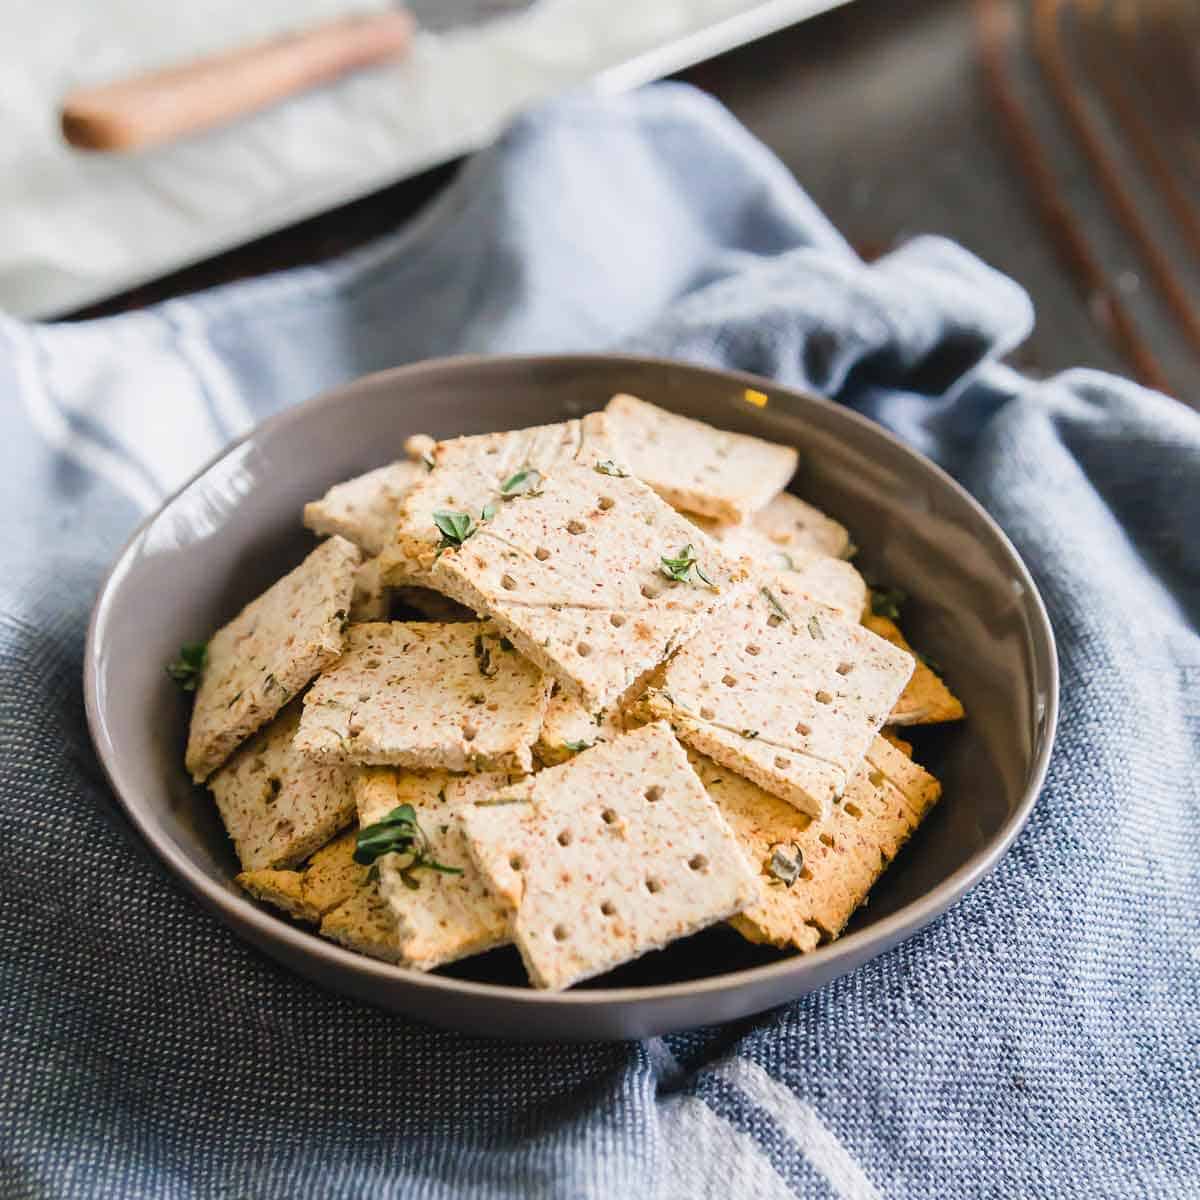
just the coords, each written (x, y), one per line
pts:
(79, 227)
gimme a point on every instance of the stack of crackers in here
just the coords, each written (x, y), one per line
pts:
(642, 690)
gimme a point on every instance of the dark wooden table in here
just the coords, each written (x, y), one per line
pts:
(887, 113)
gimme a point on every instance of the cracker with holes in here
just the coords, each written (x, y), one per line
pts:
(694, 467)
(814, 574)
(440, 915)
(364, 510)
(815, 875)
(784, 692)
(328, 878)
(615, 853)
(472, 473)
(422, 695)
(278, 806)
(570, 727)
(595, 579)
(926, 700)
(269, 651)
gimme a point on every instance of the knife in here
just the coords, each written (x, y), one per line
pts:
(161, 106)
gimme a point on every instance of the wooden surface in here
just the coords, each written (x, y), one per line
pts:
(885, 113)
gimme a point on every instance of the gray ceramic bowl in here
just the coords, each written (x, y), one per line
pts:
(236, 527)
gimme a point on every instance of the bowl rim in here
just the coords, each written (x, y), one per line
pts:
(852, 949)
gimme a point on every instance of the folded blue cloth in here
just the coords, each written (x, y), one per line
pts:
(1040, 1039)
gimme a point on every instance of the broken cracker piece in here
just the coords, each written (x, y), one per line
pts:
(439, 917)
(793, 526)
(423, 695)
(371, 600)
(926, 700)
(692, 466)
(610, 855)
(364, 923)
(815, 875)
(269, 652)
(580, 578)
(470, 473)
(569, 728)
(329, 877)
(278, 806)
(364, 510)
(283, 889)
(784, 692)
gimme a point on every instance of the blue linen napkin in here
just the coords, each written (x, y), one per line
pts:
(1040, 1039)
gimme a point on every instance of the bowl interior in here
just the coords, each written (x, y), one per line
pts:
(236, 528)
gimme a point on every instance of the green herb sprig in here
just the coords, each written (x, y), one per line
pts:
(679, 569)
(608, 467)
(785, 862)
(526, 482)
(188, 668)
(399, 833)
(576, 747)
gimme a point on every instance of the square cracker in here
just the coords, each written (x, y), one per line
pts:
(269, 652)
(813, 573)
(613, 854)
(793, 526)
(784, 692)
(468, 475)
(574, 577)
(418, 694)
(444, 917)
(570, 727)
(926, 700)
(842, 857)
(277, 805)
(364, 510)
(691, 465)
(330, 877)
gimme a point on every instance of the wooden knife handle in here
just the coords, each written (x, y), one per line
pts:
(157, 107)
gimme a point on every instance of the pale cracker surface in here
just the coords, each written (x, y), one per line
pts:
(574, 578)
(277, 805)
(784, 692)
(570, 726)
(421, 695)
(842, 856)
(814, 573)
(926, 700)
(364, 510)
(691, 465)
(610, 855)
(445, 917)
(269, 652)
(794, 526)
(468, 475)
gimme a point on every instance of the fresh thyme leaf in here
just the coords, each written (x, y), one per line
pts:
(526, 482)
(784, 863)
(750, 734)
(187, 669)
(814, 629)
(580, 745)
(776, 607)
(782, 561)
(455, 528)
(886, 602)
(427, 459)
(483, 658)
(398, 833)
(488, 512)
(679, 569)
(608, 467)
